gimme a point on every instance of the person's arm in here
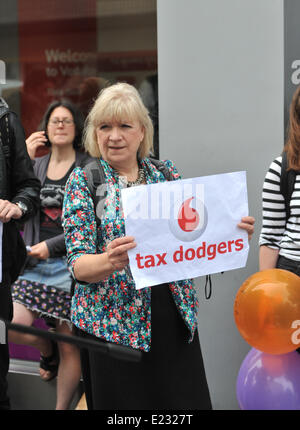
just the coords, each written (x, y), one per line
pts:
(9, 211)
(56, 245)
(274, 217)
(25, 186)
(40, 251)
(95, 268)
(36, 144)
(80, 231)
(267, 257)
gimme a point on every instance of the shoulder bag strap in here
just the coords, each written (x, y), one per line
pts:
(160, 165)
(95, 179)
(287, 182)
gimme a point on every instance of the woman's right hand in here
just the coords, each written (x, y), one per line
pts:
(117, 252)
(35, 142)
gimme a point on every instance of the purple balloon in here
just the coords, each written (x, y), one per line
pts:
(269, 382)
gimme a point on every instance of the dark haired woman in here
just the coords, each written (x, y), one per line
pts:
(44, 287)
(279, 238)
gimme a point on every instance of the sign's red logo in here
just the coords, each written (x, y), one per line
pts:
(188, 219)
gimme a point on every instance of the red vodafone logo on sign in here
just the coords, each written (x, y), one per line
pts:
(188, 218)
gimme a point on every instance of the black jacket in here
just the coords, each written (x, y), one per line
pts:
(18, 182)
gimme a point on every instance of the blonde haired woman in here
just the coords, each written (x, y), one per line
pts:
(160, 321)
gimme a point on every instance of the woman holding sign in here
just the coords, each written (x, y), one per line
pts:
(160, 321)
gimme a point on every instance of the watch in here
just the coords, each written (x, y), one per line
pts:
(23, 207)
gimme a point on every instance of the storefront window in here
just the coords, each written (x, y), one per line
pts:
(53, 49)
(72, 48)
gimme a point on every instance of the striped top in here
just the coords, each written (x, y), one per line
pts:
(276, 232)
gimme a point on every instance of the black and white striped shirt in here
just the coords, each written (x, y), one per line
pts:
(276, 232)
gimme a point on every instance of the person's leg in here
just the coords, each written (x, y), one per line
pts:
(25, 316)
(86, 377)
(69, 370)
(6, 311)
(85, 370)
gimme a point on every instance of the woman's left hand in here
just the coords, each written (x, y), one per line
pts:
(40, 251)
(247, 223)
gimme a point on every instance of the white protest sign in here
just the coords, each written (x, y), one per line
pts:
(186, 228)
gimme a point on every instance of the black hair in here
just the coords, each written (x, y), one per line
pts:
(77, 117)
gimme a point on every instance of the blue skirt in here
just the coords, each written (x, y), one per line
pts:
(53, 272)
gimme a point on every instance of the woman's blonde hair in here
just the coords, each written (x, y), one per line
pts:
(120, 102)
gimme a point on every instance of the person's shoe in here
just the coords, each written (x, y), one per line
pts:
(50, 363)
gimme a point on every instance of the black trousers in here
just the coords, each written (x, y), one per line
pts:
(287, 264)
(170, 376)
(6, 313)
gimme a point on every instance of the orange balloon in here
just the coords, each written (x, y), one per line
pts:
(267, 311)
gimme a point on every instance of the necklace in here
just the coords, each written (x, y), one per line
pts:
(140, 179)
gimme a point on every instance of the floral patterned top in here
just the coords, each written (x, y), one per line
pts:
(113, 309)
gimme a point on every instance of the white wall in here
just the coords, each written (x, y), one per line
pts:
(221, 100)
